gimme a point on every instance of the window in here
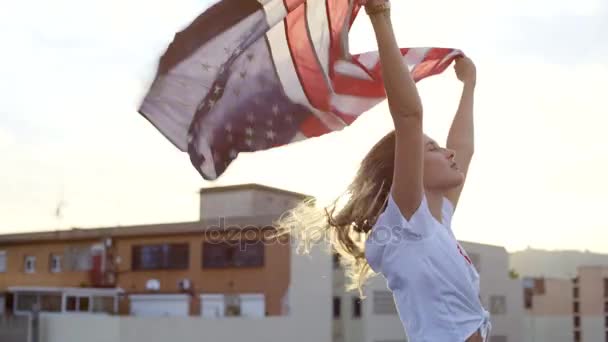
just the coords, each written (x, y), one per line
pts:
(160, 257)
(50, 302)
(498, 305)
(575, 308)
(77, 304)
(384, 303)
(356, 307)
(337, 307)
(55, 263)
(30, 264)
(2, 261)
(103, 304)
(577, 321)
(528, 297)
(336, 260)
(498, 338)
(244, 305)
(77, 259)
(577, 336)
(243, 253)
(575, 292)
(26, 301)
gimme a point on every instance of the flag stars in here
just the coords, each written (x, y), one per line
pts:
(250, 117)
(271, 135)
(275, 109)
(249, 131)
(249, 142)
(289, 119)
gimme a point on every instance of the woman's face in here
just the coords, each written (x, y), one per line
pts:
(440, 169)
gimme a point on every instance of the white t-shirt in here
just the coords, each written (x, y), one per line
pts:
(435, 286)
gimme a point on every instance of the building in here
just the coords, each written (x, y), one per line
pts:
(223, 265)
(568, 309)
(375, 319)
(213, 268)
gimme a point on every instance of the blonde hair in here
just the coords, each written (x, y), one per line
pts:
(346, 223)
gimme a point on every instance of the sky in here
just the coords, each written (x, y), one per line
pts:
(73, 74)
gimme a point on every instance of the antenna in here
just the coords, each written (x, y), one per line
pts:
(59, 208)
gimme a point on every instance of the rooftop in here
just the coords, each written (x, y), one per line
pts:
(249, 222)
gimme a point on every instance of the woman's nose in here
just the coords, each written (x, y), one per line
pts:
(450, 153)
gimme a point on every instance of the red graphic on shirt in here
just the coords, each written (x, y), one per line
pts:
(464, 254)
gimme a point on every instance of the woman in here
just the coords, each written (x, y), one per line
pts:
(402, 200)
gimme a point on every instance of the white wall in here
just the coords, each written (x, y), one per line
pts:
(380, 327)
(549, 329)
(493, 268)
(79, 327)
(245, 202)
(593, 329)
(226, 204)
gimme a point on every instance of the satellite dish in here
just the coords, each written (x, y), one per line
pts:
(153, 285)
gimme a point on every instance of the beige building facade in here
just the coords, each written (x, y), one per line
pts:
(568, 309)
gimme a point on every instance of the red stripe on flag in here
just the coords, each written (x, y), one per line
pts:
(305, 60)
(337, 12)
(313, 127)
(290, 5)
(433, 64)
(348, 119)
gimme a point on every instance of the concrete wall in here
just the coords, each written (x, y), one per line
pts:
(593, 329)
(548, 329)
(493, 268)
(14, 329)
(380, 327)
(227, 204)
(309, 317)
(76, 327)
(246, 202)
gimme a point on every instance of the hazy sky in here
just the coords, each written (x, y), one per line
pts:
(73, 74)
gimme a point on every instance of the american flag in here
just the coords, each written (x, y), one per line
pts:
(249, 75)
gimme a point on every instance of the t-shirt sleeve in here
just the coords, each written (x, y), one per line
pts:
(393, 229)
(419, 226)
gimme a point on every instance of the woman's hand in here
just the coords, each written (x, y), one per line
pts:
(465, 70)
